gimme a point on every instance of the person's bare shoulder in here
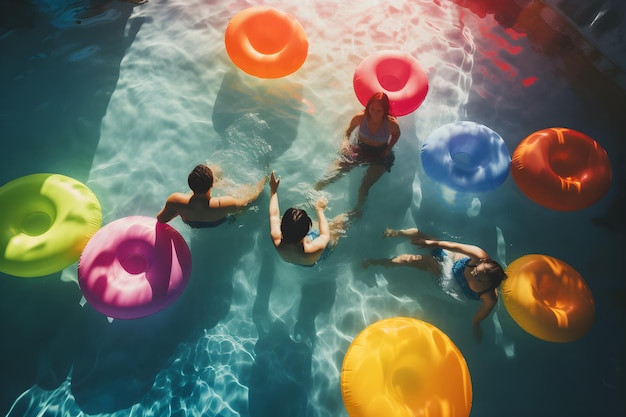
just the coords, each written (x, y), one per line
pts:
(178, 198)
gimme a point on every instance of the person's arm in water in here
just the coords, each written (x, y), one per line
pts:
(394, 131)
(354, 122)
(488, 302)
(232, 204)
(274, 211)
(472, 251)
(168, 212)
(424, 240)
(320, 243)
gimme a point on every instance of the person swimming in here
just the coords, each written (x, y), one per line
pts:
(292, 235)
(200, 209)
(477, 275)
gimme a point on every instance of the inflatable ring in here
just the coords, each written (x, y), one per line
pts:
(561, 169)
(134, 267)
(395, 73)
(45, 222)
(548, 298)
(403, 367)
(466, 156)
(266, 42)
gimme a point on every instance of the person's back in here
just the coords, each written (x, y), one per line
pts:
(296, 254)
(201, 209)
(291, 233)
(298, 244)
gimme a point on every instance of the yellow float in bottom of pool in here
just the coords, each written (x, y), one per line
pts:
(548, 298)
(404, 367)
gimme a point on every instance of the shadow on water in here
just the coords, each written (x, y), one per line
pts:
(277, 102)
(280, 379)
(58, 81)
(39, 333)
(55, 81)
(120, 360)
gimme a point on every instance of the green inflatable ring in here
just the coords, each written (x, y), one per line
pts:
(45, 222)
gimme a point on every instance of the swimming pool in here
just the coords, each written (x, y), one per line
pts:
(128, 99)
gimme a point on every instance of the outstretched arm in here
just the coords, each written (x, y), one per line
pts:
(472, 251)
(322, 240)
(354, 122)
(394, 130)
(168, 212)
(489, 301)
(245, 195)
(274, 211)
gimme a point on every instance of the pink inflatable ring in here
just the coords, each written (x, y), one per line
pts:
(134, 267)
(395, 73)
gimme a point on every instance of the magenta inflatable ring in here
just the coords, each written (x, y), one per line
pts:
(134, 267)
(395, 73)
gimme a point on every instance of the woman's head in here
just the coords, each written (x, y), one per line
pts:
(200, 179)
(489, 270)
(378, 101)
(295, 225)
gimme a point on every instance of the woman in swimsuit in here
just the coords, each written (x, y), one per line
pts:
(477, 275)
(378, 132)
(292, 235)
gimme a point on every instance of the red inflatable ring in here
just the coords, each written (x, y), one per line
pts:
(561, 169)
(395, 73)
(266, 42)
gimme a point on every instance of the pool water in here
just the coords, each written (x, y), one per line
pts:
(128, 98)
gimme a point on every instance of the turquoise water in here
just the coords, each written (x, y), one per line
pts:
(129, 100)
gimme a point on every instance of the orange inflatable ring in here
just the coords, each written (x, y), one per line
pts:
(561, 169)
(548, 298)
(266, 42)
(403, 367)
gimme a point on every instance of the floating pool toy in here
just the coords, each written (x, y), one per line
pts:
(395, 73)
(266, 42)
(561, 169)
(548, 298)
(45, 222)
(466, 156)
(403, 367)
(134, 267)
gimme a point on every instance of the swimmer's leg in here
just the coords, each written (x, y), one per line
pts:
(338, 169)
(372, 175)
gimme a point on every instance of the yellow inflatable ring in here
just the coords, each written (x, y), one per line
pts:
(404, 367)
(45, 222)
(266, 42)
(548, 298)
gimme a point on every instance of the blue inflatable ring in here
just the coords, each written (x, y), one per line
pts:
(466, 156)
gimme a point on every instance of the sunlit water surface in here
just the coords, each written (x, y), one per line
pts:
(253, 336)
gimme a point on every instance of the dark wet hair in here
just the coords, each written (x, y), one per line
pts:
(200, 179)
(382, 99)
(494, 270)
(295, 225)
